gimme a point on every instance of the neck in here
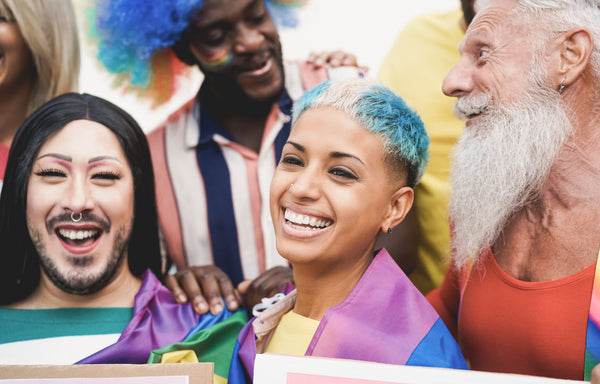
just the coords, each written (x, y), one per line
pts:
(13, 111)
(574, 178)
(120, 292)
(558, 233)
(243, 118)
(324, 286)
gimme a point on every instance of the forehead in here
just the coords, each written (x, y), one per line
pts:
(492, 22)
(214, 11)
(84, 137)
(326, 126)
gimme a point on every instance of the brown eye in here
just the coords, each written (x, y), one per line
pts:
(292, 160)
(341, 172)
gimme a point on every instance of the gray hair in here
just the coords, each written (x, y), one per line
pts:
(556, 16)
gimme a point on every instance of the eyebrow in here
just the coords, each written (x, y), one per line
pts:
(58, 156)
(102, 157)
(335, 154)
(70, 159)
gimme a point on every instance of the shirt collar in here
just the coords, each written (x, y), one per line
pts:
(209, 127)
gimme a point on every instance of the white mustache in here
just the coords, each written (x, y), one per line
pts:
(467, 106)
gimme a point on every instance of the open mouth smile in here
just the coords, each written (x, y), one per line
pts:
(79, 240)
(305, 222)
(258, 71)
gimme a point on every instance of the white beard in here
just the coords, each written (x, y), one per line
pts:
(500, 164)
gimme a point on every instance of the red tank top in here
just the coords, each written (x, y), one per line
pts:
(535, 328)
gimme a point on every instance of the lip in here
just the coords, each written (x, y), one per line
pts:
(79, 249)
(259, 71)
(472, 119)
(292, 231)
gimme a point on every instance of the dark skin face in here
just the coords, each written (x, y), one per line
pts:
(236, 45)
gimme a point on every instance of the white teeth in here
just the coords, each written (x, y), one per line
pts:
(77, 235)
(312, 221)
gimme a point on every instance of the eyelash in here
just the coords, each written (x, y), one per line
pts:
(343, 173)
(339, 172)
(107, 175)
(257, 19)
(50, 173)
(293, 160)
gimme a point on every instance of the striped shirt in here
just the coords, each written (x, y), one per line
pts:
(71, 334)
(213, 193)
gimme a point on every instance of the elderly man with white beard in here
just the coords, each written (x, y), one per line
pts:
(521, 293)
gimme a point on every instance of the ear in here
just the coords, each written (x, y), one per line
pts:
(400, 204)
(576, 47)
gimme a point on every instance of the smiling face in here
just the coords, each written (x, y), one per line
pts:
(236, 43)
(16, 64)
(81, 169)
(340, 192)
(495, 57)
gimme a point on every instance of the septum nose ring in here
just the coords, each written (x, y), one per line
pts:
(76, 220)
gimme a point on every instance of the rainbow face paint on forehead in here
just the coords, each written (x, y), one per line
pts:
(213, 63)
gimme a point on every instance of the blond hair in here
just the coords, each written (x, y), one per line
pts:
(49, 28)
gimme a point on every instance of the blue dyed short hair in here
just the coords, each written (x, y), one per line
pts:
(381, 111)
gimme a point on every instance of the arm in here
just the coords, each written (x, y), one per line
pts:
(595, 379)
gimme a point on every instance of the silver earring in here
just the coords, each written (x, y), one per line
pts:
(561, 86)
(290, 187)
(389, 231)
(76, 220)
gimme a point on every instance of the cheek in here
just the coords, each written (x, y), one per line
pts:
(37, 206)
(127, 205)
(278, 187)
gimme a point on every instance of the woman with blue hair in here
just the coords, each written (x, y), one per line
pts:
(346, 174)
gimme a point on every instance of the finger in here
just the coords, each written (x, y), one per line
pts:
(190, 286)
(211, 289)
(312, 56)
(350, 61)
(339, 58)
(319, 59)
(243, 286)
(228, 292)
(171, 283)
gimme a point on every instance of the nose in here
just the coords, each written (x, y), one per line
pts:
(247, 40)
(458, 82)
(306, 186)
(78, 197)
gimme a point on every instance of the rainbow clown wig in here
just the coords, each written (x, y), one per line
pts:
(135, 39)
(379, 110)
